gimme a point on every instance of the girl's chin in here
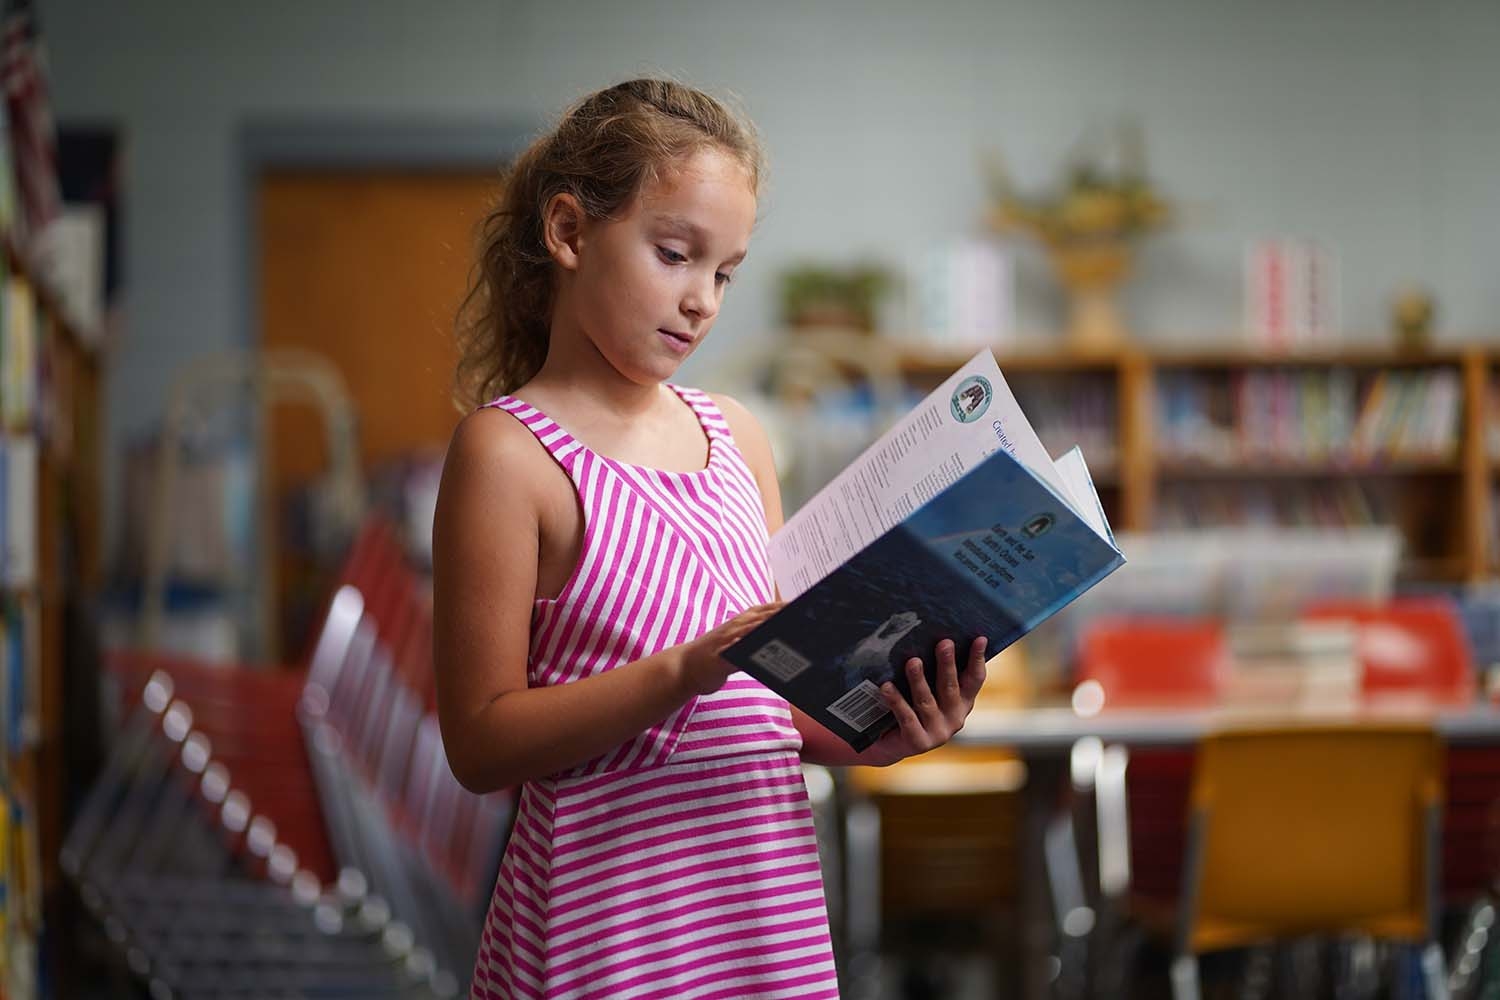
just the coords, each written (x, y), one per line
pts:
(649, 371)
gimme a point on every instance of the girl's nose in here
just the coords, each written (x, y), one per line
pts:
(702, 299)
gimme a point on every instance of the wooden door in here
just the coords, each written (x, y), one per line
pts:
(366, 268)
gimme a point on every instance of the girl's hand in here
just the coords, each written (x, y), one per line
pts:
(929, 721)
(700, 668)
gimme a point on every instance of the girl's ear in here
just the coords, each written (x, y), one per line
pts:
(562, 224)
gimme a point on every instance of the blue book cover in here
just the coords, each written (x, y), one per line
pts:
(995, 553)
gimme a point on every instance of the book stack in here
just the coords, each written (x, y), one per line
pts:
(1292, 294)
(962, 295)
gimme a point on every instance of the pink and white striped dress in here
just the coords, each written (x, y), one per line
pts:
(682, 864)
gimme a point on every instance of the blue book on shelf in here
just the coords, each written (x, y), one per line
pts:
(995, 553)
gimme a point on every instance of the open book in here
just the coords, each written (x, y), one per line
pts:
(954, 524)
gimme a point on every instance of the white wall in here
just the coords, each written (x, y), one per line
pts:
(1373, 124)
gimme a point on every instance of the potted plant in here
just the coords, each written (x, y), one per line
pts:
(1088, 229)
(817, 295)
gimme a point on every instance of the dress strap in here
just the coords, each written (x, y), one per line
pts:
(710, 418)
(558, 442)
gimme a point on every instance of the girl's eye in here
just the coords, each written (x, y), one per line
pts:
(671, 256)
(723, 278)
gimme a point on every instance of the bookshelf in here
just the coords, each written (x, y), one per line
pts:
(50, 502)
(1482, 451)
(1329, 437)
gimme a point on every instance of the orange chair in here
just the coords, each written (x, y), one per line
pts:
(1312, 830)
(1408, 645)
(937, 838)
(1418, 646)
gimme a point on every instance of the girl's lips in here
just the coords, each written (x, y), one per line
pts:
(678, 341)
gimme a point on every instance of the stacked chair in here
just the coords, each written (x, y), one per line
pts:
(293, 833)
(410, 842)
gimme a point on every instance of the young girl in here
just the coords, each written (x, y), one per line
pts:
(600, 538)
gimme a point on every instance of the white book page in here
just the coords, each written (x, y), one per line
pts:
(924, 453)
(1075, 472)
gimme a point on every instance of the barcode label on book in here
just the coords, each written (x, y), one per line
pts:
(780, 660)
(860, 707)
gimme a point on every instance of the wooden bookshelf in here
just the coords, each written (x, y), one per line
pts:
(1300, 468)
(1443, 499)
(1482, 456)
(63, 420)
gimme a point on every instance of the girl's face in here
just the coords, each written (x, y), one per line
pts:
(649, 283)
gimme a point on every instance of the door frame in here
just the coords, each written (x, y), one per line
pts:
(342, 143)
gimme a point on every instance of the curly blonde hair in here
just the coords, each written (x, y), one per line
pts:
(603, 151)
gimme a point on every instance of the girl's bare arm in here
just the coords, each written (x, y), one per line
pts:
(498, 732)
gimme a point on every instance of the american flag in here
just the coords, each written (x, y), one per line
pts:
(33, 137)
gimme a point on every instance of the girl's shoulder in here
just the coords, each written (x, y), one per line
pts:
(490, 444)
(735, 414)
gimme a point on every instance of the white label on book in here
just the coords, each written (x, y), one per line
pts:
(780, 660)
(860, 707)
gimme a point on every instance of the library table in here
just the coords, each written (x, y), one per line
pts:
(1053, 727)
(1044, 733)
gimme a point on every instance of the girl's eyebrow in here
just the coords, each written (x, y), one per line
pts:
(694, 232)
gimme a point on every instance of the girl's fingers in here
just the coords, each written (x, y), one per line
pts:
(906, 718)
(751, 617)
(922, 700)
(974, 673)
(949, 692)
(927, 721)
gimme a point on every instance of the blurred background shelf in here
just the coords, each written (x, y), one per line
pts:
(50, 508)
(1351, 356)
(1332, 438)
(1293, 469)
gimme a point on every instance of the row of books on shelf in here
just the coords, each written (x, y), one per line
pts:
(21, 357)
(22, 399)
(1340, 504)
(20, 676)
(1310, 416)
(1492, 420)
(20, 893)
(26, 400)
(18, 511)
(1083, 414)
(20, 726)
(1494, 537)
